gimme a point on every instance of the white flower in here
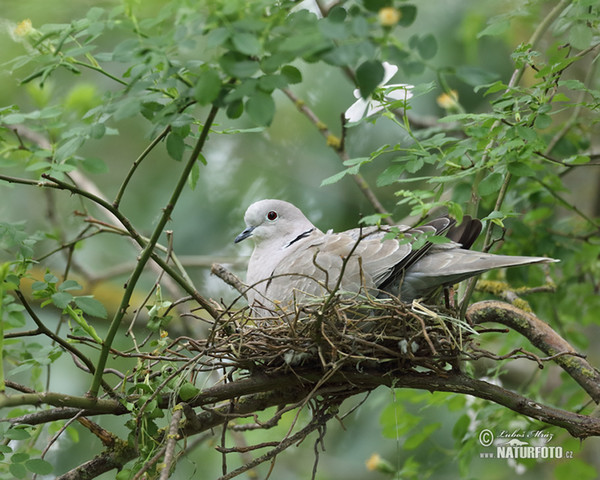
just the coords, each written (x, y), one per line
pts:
(365, 108)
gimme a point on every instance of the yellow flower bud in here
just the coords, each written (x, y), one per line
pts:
(23, 28)
(389, 16)
(448, 100)
(375, 462)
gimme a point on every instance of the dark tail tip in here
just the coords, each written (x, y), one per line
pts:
(466, 233)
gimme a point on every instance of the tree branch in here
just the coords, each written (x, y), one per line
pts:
(541, 335)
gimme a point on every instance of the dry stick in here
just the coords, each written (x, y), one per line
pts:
(287, 442)
(172, 437)
(341, 152)
(228, 277)
(149, 464)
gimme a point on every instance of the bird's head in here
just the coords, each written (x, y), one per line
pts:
(274, 221)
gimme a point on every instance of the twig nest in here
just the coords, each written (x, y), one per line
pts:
(338, 331)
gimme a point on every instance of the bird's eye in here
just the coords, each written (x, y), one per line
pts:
(272, 215)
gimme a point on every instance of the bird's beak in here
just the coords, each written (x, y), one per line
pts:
(244, 235)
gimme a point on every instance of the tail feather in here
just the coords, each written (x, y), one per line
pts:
(453, 266)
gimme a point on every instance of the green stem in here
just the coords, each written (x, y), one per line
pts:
(99, 70)
(137, 162)
(147, 253)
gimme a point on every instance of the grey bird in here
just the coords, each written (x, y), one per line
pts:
(294, 262)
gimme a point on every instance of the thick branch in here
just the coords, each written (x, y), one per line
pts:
(541, 335)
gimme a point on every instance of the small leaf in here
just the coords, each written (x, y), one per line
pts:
(17, 470)
(175, 146)
(208, 87)
(194, 176)
(495, 28)
(475, 76)
(425, 45)
(261, 108)
(246, 43)
(68, 148)
(368, 76)
(418, 438)
(580, 36)
(235, 109)
(543, 121)
(94, 165)
(91, 306)
(61, 299)
(216, 37)
(490, 184)
(408, 14)
(16, 434)
(292, 74)
(69, 285)
(334, 178)
(39, 466)
(188, 391)
(238, 65)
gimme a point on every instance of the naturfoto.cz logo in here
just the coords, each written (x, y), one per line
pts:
(516, 444)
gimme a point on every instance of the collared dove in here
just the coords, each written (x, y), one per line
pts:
(294, 262)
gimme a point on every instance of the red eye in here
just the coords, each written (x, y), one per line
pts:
(272, 215)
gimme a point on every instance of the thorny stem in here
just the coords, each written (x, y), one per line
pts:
(146, 253)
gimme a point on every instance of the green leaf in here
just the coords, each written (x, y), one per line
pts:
(39, 466)
(246, 43)
(461, 427)
(91, 306)
(19, 457)
(261, 108)
(391, 174)
(426, 45)
(235, 109)
(94, 165)
(61, 299)
(396, 421)
(418, 438)
(292, 74)
(238, 65)
(491, 184)
(68, 148)
(194, 175)
(216, 37)
(496, 28)
(368, 77)
(17, 470)
(334, 178)
(580, 36)
(475, 76)
(175, 146)
(408, 14)
(188, 391)
(16, 434)
(207, 87)
(543, 121)
(69, 285)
